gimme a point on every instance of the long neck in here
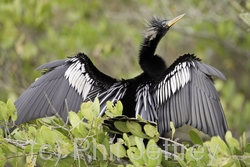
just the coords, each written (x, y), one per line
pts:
(147, 49)
(149, 62)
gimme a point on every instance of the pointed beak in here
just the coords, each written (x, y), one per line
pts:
(173, 21)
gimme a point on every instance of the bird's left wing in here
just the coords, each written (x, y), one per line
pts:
(63, 87)
(185, 94)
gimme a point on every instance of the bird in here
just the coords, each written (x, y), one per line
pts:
(182, 93)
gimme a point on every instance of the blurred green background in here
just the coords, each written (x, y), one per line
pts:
(109, 32)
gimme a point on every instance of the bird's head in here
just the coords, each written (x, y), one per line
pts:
(158, 27)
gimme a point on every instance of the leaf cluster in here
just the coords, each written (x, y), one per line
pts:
(112, 140)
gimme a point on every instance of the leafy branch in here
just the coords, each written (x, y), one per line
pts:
(86, 141)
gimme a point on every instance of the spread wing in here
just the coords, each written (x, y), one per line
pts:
(63, 87)
(185, 94)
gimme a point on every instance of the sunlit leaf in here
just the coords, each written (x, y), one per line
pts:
(140, 144)
(11, 109)
(126, 139)
(135, 156)
(172, 128)
(119, 108)
(4, 112)
(151, 131)
(135, 129)
(233, 144)
(118, 150)
(96, 107)
(74, 119)
(46, 135)
(87, 112)
(154, 154)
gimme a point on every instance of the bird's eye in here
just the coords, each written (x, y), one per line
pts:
(164, 23)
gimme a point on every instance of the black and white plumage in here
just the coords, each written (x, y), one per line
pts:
(182, 93)
(62, 88)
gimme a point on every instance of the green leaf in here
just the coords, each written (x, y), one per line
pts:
(195, 138)
(233, 144)
(106, 143)
(46, 135)
(12, 148)
(19, 134)
(68, 162)
(61, 137)
(3, 159)
(243, 139)
(220, 151)
(135, 156)
(135, 129)
(33, 148)
(116, 110)
(11, 109)
(126, 139)
(154, 154)
(151, 131)
(1, 133)
(181, 161)
(74, 119)
(118, 150)
(128, 165)
(48, 120)
(101, 151)
(247, 148)
(139, 118)
(32, 132)
(3, 112)
(100, 137)
(110, 114)
(140, 144)
(66, 148)
(109, 105)
(96, 107)
(87, 112)
(246, 158)
(121, 126)
(119, 108)
(132, 140)
(198, 155)
(173, 129)
(104, 164)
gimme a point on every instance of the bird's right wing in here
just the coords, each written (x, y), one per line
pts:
(64, 86)
(185, 94)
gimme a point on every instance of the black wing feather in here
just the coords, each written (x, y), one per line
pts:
(185, 94)
(64, 85)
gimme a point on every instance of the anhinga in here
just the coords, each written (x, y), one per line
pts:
(182, 93)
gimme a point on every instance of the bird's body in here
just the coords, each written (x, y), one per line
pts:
(182, 93)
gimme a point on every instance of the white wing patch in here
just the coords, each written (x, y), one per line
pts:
(78, 78)
(145, 106)
(174, 81)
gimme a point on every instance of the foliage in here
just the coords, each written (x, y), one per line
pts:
(86, 141)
